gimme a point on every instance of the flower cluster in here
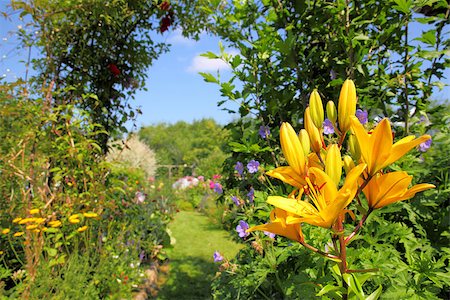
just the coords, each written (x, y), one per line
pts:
(322, 193)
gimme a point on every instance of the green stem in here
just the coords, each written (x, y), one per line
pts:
(358, 227)
(363, 271)
(14, 251)
(314, 249)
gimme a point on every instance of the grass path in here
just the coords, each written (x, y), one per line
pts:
(191, 259)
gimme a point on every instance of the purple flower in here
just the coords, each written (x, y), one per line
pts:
(270, 234)
(361, 115)
(239, 167)
(423, 147)
(251, 195)
(252, 166)
(218, 188)
(328, 127)
(264, 131)
(236, 200)
(217, 256)
(241, 228)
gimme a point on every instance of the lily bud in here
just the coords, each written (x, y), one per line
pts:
(331, 112)
(353, 147)
(313, 132)
(316, 109)
(333, 163)
(292, 148)
(347, 105)
(304, 140)
(348, 163)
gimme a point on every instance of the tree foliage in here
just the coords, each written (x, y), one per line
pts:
(200, 144)
(95, 54)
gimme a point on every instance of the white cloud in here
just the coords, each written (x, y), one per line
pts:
(177, 38)
(204, 64)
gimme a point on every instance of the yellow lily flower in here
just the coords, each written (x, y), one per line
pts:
(377, 150)
(391, 187)
(294, 154)
(279, 226)
(327, 202)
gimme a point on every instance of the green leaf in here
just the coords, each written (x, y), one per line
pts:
(375, 295)
(328, 288)
(404, 6)
(209, 77)
(210, 55)
(355, 286)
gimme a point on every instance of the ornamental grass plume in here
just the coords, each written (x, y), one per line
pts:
(323, 194)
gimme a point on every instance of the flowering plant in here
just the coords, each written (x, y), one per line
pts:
(322, 195)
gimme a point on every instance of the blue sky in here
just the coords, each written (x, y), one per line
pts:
(175, 89)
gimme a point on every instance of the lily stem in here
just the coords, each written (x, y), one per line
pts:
(314, 249)
(358, 227)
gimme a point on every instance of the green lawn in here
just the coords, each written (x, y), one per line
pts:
(191, 260)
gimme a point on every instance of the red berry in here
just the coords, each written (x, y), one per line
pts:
(114, 70)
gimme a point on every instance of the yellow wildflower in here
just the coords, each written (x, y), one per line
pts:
(34, 211)
(16, 220)
(90, 215)
(19, 233)
(39, 220)
(30, 227)
(6, 231)
(377, 150)
(391, 187)
(74, 220)
(27, 220)
(55, 223)
(81, 229)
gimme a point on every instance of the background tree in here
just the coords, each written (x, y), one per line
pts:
(96, 53)
(200, 144)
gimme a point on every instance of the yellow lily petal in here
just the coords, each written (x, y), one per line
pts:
(403, 146)
(292, 149)
(278, 226)
(391, 187)
(377, 150)
(333, 163)
(287, 174)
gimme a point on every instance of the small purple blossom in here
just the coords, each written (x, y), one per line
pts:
(270, 234)
(239, 167)
(328, 127)
(241, 229)
(217, 257)
(251, 195)
(361, 115)
(423, 147)
(236, 200)
(264, 131)
(218, 188)
(253, 166)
